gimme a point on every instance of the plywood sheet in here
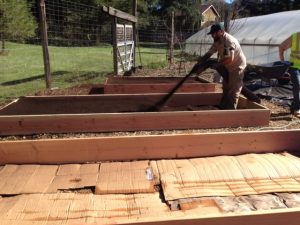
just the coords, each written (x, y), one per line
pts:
(229, 175)
(126, 177)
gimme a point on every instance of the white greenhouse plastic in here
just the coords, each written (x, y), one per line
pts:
(259, 36)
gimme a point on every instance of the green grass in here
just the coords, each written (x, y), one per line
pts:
(22, 70)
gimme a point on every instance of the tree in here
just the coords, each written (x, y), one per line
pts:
(16, 21)
(143, 7)
(187, 12)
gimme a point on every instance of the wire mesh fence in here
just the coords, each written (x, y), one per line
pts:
(80, 46)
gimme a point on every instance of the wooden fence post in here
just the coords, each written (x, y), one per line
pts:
(134, 33)
(171, 50)
(44, 39)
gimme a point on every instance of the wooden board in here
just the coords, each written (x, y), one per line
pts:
(16, 179)
(76, 208)
(19, 179)
(125, 148)
(130, 177)
(61, 114)
(74, 176)
(134, 85)
(229, 175)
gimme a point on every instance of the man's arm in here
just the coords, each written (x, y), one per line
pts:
(208, 54)
(228, 58)
(286, 44)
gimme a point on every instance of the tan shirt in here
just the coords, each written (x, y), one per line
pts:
(286, 44)
(226, 46)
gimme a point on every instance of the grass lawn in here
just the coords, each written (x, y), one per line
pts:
(22, 70)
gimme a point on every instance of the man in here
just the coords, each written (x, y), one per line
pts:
(232, 58)
(293, 42)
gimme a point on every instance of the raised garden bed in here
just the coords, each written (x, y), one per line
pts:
(101, 113)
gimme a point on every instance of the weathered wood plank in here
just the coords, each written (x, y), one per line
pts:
(119, 14)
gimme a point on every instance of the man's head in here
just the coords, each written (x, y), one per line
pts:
(216, 31)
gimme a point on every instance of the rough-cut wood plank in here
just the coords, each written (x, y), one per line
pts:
(81, 209)
(14, 182)
(68, 169)
(6, 204)
(131, 177)
(16, 211)
(198, 206)
(70, 208)
(60, 209)
(20, 179)
(123, 208)
(146, 147)
(228, 176)
(33, 207)
(26, 179)
(40, 179)
(74, 176)
(5, 173)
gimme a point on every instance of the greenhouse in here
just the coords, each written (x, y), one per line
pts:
(259, 36)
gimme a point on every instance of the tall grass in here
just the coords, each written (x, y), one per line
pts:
(22, 70)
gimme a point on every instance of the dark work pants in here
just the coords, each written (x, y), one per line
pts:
(295, 78)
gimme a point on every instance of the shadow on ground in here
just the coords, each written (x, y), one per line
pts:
(69, 77)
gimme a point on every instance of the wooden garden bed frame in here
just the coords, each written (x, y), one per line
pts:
(126, 148)
(159, 147)
(135, 85)
(106, 113)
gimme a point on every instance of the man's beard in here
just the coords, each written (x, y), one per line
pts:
(216, 39)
